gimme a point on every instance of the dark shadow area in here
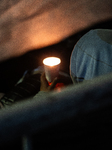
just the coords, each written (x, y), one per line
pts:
(84, 131)
(89, 130)
(12, 70)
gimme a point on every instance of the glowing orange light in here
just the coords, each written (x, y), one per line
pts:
(51, 61)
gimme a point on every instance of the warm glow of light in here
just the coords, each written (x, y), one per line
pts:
(51, 61)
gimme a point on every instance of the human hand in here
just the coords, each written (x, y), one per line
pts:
(44, 84)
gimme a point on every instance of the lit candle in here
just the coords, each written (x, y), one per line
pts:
(51, 66)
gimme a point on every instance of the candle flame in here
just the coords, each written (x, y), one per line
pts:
(51, 61)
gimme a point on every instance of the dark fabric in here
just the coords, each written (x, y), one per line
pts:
(79, 116)
(25, 89)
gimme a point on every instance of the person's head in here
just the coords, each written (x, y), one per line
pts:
(92, 55)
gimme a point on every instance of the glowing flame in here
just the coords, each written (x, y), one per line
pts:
(51, 61)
